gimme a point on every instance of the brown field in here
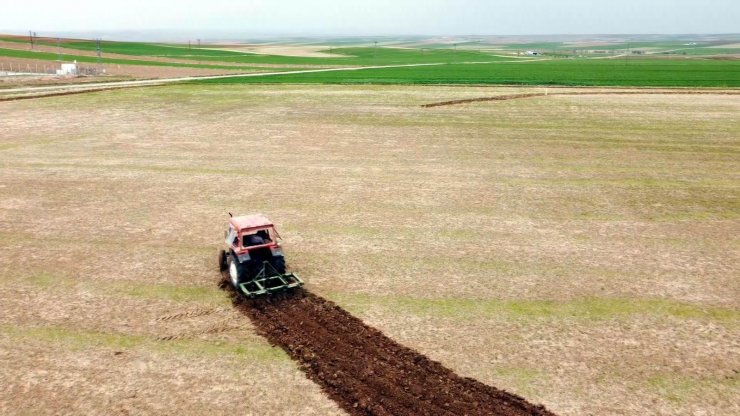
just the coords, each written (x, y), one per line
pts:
(305, 51)
(580, 251)
(68, 51)
(113, 72)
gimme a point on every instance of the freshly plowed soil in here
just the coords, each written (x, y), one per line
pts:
(364, 371)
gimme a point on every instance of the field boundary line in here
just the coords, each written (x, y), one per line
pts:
(506, 97)
(79, 88)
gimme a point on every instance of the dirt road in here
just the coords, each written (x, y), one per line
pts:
(56, 89)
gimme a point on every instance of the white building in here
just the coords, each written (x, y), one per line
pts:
(68, 69)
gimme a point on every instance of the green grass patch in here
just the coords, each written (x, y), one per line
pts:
(148, 49)
(679, 388)
(522, 379)
(47, 56)
(74, 339)
(48, 280)
(175, 170)
(205, 295)
(83, 339)
(252, 351)
(349, 55)
(11, 237)
(591, 309)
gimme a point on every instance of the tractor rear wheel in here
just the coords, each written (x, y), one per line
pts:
(278, 262)
(235, 272)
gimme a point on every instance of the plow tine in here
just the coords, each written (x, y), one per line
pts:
(265, 284)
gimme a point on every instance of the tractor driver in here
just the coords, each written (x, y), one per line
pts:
(257, 239)
(264, 235)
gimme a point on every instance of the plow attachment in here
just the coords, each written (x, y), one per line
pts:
(268, 281)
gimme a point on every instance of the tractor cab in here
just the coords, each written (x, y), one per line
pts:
(243, 234)
(254, 258)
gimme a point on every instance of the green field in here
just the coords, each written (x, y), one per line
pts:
(455, 63)
(588, 72)
(352, 55)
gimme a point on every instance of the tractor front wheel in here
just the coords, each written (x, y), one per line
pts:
(222, 260)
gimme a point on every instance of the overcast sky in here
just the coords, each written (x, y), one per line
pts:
(377, 17)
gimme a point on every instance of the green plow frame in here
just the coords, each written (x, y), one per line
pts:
(269, 281)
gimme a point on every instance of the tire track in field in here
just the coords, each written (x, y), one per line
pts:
(364, 371)
(494, 98)
(506, 97)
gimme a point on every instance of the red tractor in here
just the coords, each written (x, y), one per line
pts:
(253, 257)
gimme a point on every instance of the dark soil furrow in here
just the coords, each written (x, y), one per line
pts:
(384, 349)
(351, 358)
(364, 371)
(390, 354)
(334, 374)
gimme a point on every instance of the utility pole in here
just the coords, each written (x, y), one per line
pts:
(189, 46)
(30, 36)
(375, 50)
(626, 55)
(99, 52)
(199, 43)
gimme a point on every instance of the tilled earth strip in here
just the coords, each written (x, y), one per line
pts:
(364, 371)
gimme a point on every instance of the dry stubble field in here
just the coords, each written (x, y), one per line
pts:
(581, 251)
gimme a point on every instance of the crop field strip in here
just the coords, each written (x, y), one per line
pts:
(467, 67)
(49, 56)
(353, 55)
(573, 72)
